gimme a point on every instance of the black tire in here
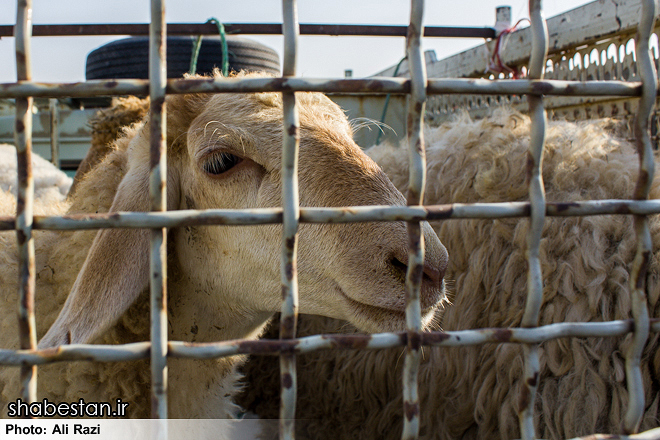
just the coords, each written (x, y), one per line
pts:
(129, 58)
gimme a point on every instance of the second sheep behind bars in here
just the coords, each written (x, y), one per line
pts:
(472, 392)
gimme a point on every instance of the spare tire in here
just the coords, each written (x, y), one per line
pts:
(129, 58)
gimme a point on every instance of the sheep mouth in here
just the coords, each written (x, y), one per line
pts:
(373, 318)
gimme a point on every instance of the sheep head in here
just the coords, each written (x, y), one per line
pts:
(224, 151)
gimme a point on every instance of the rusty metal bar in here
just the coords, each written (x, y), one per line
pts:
(359, 85)
(61, 30)
(54, 132)
(24, 202)
(77, 352)
(290, 219)
(378, 341)
(229, 217)
(158, 196)
(537, 218)
(416, 184)
(648, 75)
(653, 434)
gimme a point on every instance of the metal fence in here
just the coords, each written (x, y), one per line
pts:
(593, 42)
(290, 215)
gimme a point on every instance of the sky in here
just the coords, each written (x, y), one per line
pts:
(62, 59)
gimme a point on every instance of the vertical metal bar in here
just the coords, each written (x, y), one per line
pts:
(25, 199)
(415, 271)
(537, 218)
(54, 132)
(158, 187)
(647, 73)
(291, 215)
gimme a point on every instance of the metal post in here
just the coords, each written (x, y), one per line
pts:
(25, 199)
(537, 218)
(291, 216)
(54, 132)
(647, 73)
(158, 187)
(502, 18)
(415, 271)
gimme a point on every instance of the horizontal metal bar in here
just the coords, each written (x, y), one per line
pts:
(474, 86)
(61, 30)
(535, 87)
(378, 341)
(86, 352)
(653, 434)
(228, 217)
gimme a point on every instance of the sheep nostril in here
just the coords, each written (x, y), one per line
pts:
(430, 274)
(400, 266)
(433, 275)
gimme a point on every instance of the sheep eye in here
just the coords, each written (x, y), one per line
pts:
(219, 163)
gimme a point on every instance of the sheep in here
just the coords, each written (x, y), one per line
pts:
(473, 392)
(50, 184)
(224, 151)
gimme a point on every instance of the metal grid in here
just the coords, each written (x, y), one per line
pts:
(592, 42)
(290, 215)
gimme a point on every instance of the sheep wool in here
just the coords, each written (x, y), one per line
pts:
(473, 392)
(50, 184)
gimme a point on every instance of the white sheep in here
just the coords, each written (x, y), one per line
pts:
(473, 392)
(50, 184)
(224, 151)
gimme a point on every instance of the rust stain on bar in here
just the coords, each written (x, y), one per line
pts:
(432, 338)
(503, 334)
(533, 381)
(355, 342)
(529, 168)
(268, 346)
(156, 147)
(290, 270)
(525, 397)
(641, 191)
(191, 83)
(411, 410)
(287, 381)
(414, 340)
(565, 206)
(542, 87)
(290, 243)
(288, 325)
(643, 269)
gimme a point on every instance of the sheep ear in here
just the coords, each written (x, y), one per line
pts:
(115, 271)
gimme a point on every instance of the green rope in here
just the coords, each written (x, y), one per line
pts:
(195, 54)
(225, 50)
(387, 102)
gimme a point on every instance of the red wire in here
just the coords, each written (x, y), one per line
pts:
(495, 63)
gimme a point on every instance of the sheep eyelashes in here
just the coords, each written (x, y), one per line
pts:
(217, 163)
